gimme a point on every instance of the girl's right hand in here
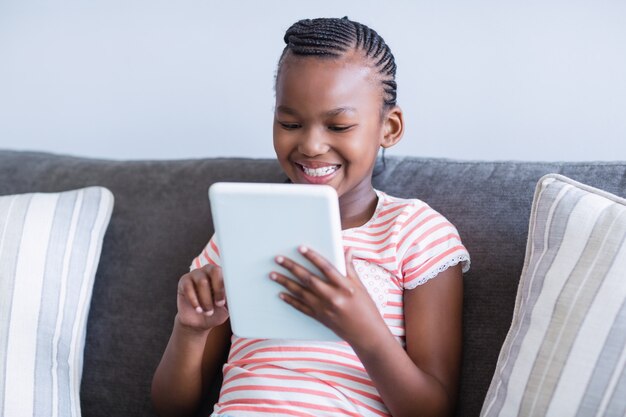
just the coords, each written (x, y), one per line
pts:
(201, 299)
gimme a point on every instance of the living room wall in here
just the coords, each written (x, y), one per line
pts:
(486, 79)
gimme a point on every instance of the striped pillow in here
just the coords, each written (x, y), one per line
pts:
(49, 250)
(565, 352)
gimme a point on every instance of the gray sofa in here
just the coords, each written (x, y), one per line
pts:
(161, 220)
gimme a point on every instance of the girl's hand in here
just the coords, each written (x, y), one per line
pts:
(201, 299)
(341, 303)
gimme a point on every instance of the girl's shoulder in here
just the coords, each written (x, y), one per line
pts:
(410, 239)
(401, 220)
(396, 208)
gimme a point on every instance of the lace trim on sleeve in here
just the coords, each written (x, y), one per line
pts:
(450, 263)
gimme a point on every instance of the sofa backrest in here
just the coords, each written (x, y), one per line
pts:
(161, 220)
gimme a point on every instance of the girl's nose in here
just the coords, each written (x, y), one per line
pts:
(313, 143)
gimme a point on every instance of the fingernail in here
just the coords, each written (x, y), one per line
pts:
(199, 309)
(273, 276)
(280, 259)
(208, 313)
(220, 303)
(303, 249)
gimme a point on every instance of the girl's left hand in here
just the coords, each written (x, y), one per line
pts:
(341, 303)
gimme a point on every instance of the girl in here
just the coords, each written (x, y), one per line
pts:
(399, 307)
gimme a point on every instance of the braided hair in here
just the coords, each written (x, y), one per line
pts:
(333, 37)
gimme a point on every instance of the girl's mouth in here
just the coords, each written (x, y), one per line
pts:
(319, 174)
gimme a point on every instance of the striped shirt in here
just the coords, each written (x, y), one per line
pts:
(403, 245)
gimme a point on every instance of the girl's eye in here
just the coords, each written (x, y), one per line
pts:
(289, 126)
(339, 128)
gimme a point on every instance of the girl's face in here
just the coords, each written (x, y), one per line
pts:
(327, 125)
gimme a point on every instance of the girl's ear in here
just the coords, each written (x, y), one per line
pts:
(393, 127)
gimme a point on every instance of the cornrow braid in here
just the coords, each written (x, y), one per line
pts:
(333, 37)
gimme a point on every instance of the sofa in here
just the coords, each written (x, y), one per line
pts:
(161, 220)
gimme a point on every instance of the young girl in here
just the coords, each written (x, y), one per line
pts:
(399, 307)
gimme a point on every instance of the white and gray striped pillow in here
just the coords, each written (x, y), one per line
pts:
(50, 246)
(565, 352)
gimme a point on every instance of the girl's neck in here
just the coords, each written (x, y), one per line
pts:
(357, 208)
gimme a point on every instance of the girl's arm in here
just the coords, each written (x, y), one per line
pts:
(190, 364)
(197, 346)
(421, 380)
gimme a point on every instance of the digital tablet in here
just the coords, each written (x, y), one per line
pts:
(254, 223)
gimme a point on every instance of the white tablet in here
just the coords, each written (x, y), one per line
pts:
(254, 223)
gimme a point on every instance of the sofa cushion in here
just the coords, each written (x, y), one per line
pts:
(565, 350)
(50, 245)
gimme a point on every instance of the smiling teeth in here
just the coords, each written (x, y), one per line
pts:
(319, 172)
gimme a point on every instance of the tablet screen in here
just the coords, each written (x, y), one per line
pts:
(254, 223)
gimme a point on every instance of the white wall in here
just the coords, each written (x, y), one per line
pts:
(483, 79)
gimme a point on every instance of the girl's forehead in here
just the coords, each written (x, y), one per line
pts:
(325, 73)
(318, 87)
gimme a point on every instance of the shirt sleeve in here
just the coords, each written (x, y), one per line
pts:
(432, 245)
(210, 255)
